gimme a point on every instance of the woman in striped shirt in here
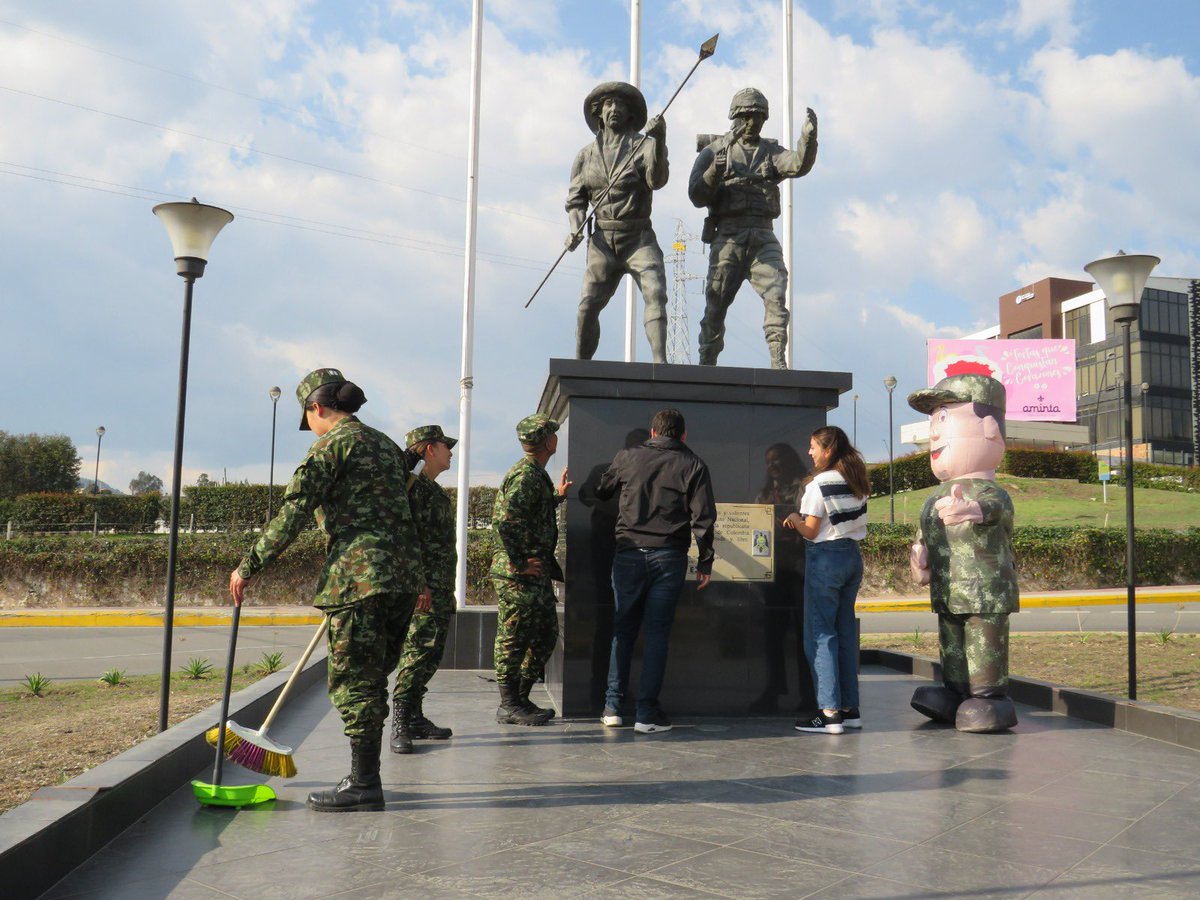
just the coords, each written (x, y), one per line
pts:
(832, 519)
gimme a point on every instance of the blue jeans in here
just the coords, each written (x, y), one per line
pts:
(833, 571)
(646, 585)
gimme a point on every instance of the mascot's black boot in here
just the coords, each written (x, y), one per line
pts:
(986, 715)
(362, 789)
(937, 702)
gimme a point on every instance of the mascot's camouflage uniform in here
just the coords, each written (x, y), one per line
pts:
(964, 553)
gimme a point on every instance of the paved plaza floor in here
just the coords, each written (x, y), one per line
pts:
(718, 807)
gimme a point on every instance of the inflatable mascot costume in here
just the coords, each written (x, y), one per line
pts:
(964, 553)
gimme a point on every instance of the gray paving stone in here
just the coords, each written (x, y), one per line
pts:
(717, 807)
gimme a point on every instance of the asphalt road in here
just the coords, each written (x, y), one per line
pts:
(65, 653)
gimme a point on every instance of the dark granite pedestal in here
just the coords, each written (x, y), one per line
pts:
(734, 649)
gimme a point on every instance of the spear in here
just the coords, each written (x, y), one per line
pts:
(707, 49)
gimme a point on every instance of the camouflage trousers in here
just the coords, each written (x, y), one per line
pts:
(738, 254)
(974, 654)
(364, 647)
(613, 253)
(526, 628)
(422, 652)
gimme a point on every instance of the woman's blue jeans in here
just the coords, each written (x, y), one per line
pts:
(832, 574)
(646, 585)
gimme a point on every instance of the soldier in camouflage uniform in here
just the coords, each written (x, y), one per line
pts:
(353, 482)
(737, 177)
(525, 525)
(964, 553)
(426, 639)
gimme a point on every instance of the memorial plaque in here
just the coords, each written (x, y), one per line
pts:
(744, 543)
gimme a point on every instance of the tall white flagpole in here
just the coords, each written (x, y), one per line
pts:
(467, 382)
(788, 141)
(635, 78)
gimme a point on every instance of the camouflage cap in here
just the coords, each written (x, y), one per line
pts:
(428, 433)
(313, 380)
(959, 389)
(536, 428)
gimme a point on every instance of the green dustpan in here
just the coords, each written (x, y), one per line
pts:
(231, 794)
(217, 794)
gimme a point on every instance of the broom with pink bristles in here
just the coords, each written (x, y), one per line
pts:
(252, 749)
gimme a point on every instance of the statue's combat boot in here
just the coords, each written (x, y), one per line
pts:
(778, 354)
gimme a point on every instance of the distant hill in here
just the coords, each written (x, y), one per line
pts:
(85, 486)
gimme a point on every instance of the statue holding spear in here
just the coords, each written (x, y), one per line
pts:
(615, 175)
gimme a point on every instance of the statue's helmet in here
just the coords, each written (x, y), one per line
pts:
(634, 101)
(746, 101)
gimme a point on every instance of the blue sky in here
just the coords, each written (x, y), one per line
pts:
(967, 148)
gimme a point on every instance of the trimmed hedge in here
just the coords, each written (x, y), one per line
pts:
(911, 473)
(78, 570)
(1028, 462)
(60, 570)
(62, 512)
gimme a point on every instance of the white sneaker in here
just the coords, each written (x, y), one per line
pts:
(657, 722)
(611, 718)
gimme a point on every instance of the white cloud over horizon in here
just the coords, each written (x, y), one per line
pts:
(962, 155)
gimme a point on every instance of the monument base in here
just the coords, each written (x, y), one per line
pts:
(734, 648)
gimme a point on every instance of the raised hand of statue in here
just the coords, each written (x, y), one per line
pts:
(954, 510)
(918, 562)
(657, 128)
(808, 131)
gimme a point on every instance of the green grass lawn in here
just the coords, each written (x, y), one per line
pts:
(1049, 501)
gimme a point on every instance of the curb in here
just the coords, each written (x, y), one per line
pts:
(286, 616)
(61, 826)
(1163, 723)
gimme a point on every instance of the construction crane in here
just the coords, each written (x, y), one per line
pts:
(679, 340)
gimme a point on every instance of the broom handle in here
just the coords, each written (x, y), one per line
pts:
(287, 688)
(237, 614)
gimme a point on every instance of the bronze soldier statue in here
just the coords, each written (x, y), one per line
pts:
(621, 240)
(737, 175)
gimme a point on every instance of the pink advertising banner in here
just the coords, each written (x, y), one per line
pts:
(1038, 376)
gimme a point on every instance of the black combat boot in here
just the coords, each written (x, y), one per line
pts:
(361, 789)
(986, 712)
(778, 354)
(422, 728)
(937, 701)
(511, 711)
(402, 728)
(527, 686)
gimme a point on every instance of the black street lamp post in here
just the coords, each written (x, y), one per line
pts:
(273, 393)
(192, 227)
(855, 420)
(1122, 278)
(890, 384)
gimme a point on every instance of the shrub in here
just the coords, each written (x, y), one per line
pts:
(58, 512)
(36, 683)
(911, 473)
(196, 668)
(1028, 462)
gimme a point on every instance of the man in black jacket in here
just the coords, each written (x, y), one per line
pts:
(665, 498)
